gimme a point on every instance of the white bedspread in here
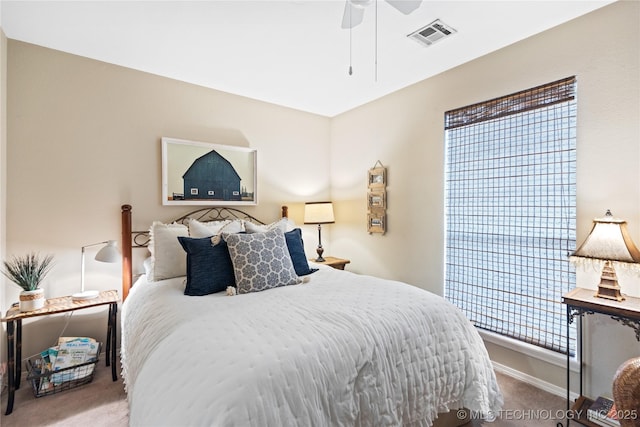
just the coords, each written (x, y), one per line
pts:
(341, 350)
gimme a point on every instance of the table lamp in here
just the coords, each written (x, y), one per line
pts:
(108, 253)
(608, 242)
(319, 213)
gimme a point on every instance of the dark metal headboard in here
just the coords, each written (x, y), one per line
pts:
(140, 239)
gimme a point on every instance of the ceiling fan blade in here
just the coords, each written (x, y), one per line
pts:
(352, 15)
(405, 6)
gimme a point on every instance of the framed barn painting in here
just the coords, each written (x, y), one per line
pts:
(200, 173)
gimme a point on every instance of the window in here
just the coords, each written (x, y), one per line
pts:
(510, 202)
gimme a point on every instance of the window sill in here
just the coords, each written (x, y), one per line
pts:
(530, 350)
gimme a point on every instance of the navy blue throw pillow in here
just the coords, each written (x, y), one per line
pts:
(209, 267)
(296, 250)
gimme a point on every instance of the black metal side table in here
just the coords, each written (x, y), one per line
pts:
(581, 301)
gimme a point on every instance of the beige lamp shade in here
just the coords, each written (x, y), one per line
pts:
(318, 213)
(609, 241)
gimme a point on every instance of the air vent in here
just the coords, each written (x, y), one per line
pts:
(432, 33)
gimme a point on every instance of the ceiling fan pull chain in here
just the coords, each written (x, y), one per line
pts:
(376, 46)
(350, 43)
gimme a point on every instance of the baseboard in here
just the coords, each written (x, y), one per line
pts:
(535, 382)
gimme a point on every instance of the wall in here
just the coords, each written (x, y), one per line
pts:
(405, 132)
(3, 173)
(84, 138)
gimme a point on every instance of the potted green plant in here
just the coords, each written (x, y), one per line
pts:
(28, 271)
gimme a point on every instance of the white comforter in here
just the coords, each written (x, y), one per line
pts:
(340, 350)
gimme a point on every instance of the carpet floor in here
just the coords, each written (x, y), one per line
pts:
(102, 403)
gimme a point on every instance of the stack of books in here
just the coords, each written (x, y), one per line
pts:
(603, 412)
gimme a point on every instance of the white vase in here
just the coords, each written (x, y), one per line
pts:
(32, 300)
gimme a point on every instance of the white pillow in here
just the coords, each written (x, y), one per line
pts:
(146, 264)
(168, 259)
(199, 229)
(284, 224)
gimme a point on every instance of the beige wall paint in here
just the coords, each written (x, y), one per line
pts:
(73, 121)
(3, 174)
(84, 138)
(405, 132)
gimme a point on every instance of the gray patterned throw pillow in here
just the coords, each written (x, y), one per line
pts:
(260, 261)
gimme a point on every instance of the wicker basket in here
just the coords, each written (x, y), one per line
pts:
(626, 392)
(46, 382)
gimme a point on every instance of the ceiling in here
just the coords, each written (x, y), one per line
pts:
(291, 53)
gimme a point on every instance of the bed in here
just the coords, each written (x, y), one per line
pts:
(324, 348)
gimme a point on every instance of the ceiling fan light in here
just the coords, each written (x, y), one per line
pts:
(360, 3)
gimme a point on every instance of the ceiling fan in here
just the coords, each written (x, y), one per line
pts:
(354, 9)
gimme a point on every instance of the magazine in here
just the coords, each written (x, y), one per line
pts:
(603, 412)
(72, 351)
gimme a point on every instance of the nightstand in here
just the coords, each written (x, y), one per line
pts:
(14, 318)
(337, 263)
(581, 301)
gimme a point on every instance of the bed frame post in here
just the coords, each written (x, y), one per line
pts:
(126, 251)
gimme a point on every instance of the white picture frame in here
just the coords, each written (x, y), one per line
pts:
(198, 173)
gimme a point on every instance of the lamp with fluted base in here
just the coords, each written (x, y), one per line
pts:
(608, 243)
